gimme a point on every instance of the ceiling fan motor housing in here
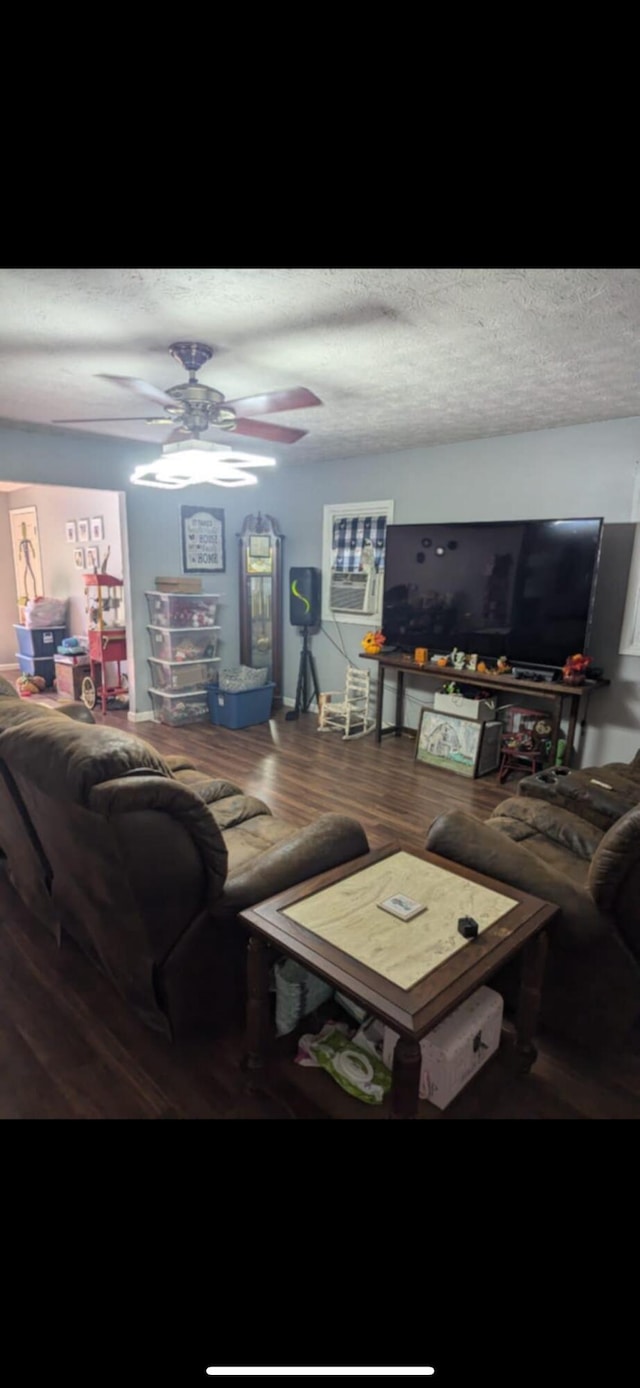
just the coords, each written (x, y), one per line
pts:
(191, 355)
(199, 406)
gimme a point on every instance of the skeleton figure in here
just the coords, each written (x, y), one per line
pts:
(25, 550)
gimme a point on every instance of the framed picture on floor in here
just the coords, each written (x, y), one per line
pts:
(466, 746)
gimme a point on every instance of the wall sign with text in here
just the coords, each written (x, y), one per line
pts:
(202, 534)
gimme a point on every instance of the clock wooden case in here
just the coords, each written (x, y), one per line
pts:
(260, 546)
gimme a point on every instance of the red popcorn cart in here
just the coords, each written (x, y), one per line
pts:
(104, 603)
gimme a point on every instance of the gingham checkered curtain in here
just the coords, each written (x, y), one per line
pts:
(349, 535)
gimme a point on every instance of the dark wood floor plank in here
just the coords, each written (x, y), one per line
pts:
(70, 1048)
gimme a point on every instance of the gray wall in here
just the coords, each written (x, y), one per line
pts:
(583, 470)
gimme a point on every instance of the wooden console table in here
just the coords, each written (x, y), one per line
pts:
(554, 693)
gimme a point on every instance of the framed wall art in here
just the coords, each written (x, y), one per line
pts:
(83, 531)
(97, 529)
(202, 539)
(93, 558)
(71, 532)
(78, 558)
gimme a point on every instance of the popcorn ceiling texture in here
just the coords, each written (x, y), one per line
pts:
(400, 357)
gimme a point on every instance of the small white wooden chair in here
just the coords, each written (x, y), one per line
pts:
(347, 711)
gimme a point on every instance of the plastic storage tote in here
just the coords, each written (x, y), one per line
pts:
(178, 644)
(240, 710)
(37, 665)
(38, 641)
(182, 609)
(183, 674)
(190, 707)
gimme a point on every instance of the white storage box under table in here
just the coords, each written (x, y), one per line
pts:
(454, 1051)
(463, 707)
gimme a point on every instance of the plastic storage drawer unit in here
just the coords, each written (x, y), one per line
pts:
(182, 609)
(38, 641)
(179, 708)
(177, 644)
(241, 709)
(183, 674)
(37, 665)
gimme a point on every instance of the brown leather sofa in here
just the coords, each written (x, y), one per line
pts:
(592, 872)
(599, 794)
(145, 861)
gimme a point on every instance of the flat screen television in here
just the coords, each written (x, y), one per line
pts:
(524, 589)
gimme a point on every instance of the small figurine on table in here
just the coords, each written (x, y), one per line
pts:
(502, 665)
(472, 662)
(373, 642)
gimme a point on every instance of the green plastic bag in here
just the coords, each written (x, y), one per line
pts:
(358, 1071)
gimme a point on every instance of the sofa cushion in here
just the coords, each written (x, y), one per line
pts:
(535, 818)
(71, 757)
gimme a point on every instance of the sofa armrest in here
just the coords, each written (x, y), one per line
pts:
(331, 840)
(478, 845)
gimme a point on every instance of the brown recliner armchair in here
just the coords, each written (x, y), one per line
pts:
(592, 984)
(147, 865)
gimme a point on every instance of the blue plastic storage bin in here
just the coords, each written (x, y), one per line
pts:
(242, 709)
(37, 665)
(39, 641)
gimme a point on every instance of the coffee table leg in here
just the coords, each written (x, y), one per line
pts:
(257, 1002)
(534, 958)
(405, 1078)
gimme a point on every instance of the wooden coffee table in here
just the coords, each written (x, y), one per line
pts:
(410, 974)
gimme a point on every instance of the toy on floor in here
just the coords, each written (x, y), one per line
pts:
(27, 685)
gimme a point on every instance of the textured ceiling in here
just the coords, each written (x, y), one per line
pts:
(398, 357)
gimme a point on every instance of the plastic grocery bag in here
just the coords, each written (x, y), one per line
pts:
(298, 992)
(358, 1071)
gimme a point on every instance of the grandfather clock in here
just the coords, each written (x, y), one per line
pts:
(260, 544)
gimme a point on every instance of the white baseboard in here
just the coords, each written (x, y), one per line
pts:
(146, 716)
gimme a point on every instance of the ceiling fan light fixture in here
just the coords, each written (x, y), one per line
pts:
(194, 461)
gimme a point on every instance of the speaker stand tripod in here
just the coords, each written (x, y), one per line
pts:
(306, 673)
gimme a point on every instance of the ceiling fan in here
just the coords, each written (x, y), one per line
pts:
(192, 408)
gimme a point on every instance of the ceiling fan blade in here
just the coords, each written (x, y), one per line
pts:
(298, 399)
(115, 419)
(140, 388)
(276, 433)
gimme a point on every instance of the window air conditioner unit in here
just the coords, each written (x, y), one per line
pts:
(353, 592)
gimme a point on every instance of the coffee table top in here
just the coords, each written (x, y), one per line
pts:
(332, 925)
(348, 914)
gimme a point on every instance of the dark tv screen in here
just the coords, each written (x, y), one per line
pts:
(523, 589)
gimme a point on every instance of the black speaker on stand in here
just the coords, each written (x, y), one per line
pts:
(304, 612)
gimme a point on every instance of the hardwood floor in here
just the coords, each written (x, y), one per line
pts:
(69, 1048)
